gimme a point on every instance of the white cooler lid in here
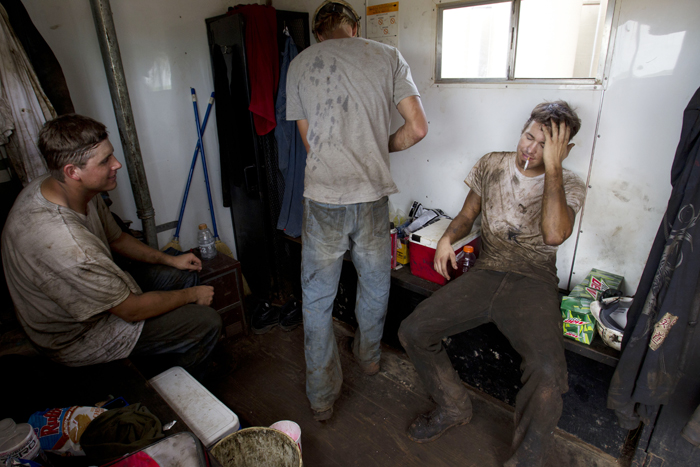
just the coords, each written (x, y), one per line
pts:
(206, 415)
(431, 234)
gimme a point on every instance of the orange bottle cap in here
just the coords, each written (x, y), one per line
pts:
(468, 249)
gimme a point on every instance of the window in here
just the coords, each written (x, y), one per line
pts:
(559, 41)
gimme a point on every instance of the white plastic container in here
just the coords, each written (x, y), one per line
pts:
(18, 441)
(206, 415)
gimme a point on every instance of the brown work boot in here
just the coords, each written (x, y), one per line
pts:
(322, 415)
(430, 426)
(370, 369)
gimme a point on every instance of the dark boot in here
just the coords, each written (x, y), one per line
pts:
(430, 426)
(264, 317)
(291, 315)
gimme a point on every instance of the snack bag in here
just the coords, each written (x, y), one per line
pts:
(59, 430)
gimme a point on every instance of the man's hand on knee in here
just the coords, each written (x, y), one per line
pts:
(186, 262)
(203, 294)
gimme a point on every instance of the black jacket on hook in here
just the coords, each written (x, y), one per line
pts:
(659, 345)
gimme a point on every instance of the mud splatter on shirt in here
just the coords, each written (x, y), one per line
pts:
(511, 210)
(345, 89)
(63, 280)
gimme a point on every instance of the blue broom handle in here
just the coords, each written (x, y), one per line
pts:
(204, 161)
(194, 163)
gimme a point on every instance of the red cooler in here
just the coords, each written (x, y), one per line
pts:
(424, 242)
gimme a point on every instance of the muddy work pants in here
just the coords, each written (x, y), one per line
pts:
(328, 231)
(182, 337)
(527, 312)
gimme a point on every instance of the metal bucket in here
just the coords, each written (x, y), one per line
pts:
(257, 447)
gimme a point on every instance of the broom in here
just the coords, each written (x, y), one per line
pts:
(175, 242)
(221, 247)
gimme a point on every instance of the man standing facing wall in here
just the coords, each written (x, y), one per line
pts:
(341, 91)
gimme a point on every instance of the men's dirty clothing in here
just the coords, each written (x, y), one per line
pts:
(182, 337)
(514, 285)
(526, 311)
(345, 89)
(330, 230)
(263, 62)
(62, 279)
(659, 348)
(291, 153)
(511, 210)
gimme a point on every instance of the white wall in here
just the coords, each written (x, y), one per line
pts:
(154, 37)
(654, 72)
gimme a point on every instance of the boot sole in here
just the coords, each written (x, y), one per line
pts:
(290, 328)
(433, 438)
(262, 330)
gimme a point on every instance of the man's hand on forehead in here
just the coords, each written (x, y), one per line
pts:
(556, 142)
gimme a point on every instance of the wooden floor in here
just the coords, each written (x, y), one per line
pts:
(370, 418)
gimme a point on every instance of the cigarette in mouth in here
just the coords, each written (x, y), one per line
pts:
(526, 162)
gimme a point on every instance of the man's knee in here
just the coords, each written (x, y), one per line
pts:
(552, 378)
(410, 331)
(204, 320)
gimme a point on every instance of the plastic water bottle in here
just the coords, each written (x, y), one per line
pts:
(465, 259)
(206, 242)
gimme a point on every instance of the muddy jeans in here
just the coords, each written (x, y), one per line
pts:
(527, 312)
(182, 337)
(328, 231)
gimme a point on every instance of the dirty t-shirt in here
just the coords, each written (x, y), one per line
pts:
(345, 88)
(511, 210)
(62, 279)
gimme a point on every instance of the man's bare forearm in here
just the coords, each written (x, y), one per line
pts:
(404, 138)
(131, 248)
(557, 220)
(415, 127)
(458, 228)
(138, 307)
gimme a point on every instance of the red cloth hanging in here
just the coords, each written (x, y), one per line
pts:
(263, 62)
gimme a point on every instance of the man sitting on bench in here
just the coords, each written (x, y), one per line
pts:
(528, 203)
(75, 304)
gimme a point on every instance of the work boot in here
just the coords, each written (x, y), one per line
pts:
(370, 369)
(291, 315)
(430, 426)
(322, 415)
(264, 317)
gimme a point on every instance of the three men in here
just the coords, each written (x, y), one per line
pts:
(528, 203)
(341, 92)
(71, 298)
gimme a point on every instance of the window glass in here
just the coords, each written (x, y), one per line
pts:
(553, 39)
(557, 38)
(475, 41)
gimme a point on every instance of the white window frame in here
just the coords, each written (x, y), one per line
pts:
(510, 78)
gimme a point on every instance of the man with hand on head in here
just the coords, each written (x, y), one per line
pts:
(341, 92)
(528, 204)
(74, 302)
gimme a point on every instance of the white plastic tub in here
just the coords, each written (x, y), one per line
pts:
(206, 415)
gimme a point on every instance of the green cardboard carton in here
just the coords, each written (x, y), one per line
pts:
(579, 323)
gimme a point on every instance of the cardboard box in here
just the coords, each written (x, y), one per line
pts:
(579, 323)
(424, 242)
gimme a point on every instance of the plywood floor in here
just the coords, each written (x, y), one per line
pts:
(370, 418)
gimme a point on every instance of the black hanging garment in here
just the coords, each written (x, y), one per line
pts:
(659, 346)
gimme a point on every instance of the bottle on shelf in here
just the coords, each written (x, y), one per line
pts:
(205, 239)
